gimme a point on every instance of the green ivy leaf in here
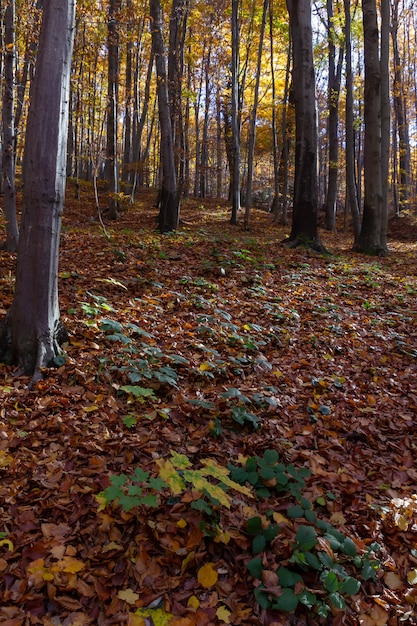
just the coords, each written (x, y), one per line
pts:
(349, 547)
(331, 582)
(254, 525)
(295, 511)
(350, 586)
(258, 544)
(287, 601)
(306, 537)
(254, 567)
(337, 600)
(287, 578)
(262, 598)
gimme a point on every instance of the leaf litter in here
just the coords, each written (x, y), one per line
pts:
(212, 344)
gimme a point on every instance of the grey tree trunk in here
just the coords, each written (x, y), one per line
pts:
(235, 151)
(169, 198)
(9, 138)
(127, 173)
(370, 238)
(352, 193)
(177, 33)
(334, 81)
(402, 173)
(112, 107)
(304, 229)
(31, 331)
(254, 113)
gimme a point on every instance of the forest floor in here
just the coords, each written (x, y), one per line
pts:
(191, 353)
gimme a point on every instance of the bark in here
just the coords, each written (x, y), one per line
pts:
(112, 107)
(402, 174)
(304, 229)
(351, 188)
(127, 174)
(369, 240)
(168, 197)
(334, 81)
(204, 158)
(254, 113)
(9, 137)
(32, 330)
(177, 32)
(235, 122)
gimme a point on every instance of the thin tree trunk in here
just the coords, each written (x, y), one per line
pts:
(112, 106)
(352, 193)
(254, 113)
(9, 138)
(235, 114)
(334, 81)
(402, 165)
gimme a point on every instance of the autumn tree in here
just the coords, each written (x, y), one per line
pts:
(31, 332)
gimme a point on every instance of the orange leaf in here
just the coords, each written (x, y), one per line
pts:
(207, 575)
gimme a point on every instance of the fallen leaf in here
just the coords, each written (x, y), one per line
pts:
(207, 575)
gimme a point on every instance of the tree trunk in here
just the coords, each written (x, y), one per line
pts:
(127, 174)
(235, 174)
(402, 173)
(334, 80)
(9, 138)
(304, 229)
(352, 194)
(204, 158)
(169, 198)
(254, 113)
(32, 326)
(370, 240)
(112, 106)
(177, 32)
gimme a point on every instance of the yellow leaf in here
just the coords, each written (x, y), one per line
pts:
(90, 408)
(5, 459)
(212, 468)
(280, 519)
(159, 616)
(102, 502)
(181, 523)
(8, 543)
(68, 564)
(135, 620)
(201, 483)
(180, 461)
(223, 614)
(222, 536)
(193, 602)
(205, 366)
(207, 575)
(169, 474)
(412, 577)
(186, 562)
(128, 595)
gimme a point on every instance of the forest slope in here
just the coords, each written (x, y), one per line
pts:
(219, 345)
